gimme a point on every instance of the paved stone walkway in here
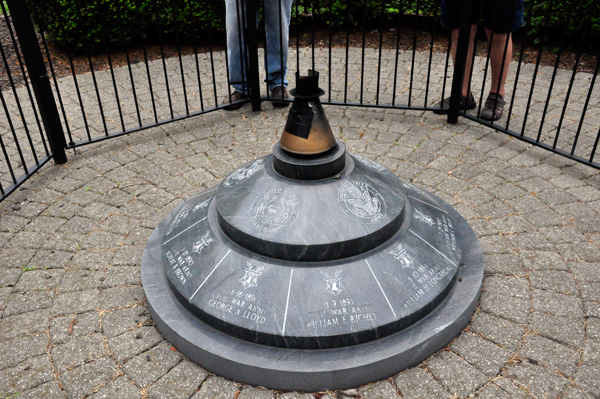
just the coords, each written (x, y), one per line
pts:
(73, 318)
(381, 83)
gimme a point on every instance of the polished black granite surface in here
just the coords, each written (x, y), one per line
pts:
(335, 263)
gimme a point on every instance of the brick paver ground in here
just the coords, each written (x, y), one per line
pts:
(74, 322)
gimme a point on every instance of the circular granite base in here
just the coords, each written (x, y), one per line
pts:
(312, 369)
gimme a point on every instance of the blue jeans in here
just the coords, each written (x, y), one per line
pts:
(275, 60)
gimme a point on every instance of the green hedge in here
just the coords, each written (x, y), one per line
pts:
(75, 23)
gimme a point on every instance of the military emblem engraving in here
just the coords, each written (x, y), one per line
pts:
(334, 282)
(201, 205)
(243, 174)
(423, 217)
(181, 215)
(274, 211)
(250, 278)
(371, 164)
(361, 202)
(202, 243)
(400, 254)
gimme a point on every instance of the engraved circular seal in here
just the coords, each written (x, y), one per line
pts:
(361, 202)
(274, 211)
(371, 164)
(243, 173)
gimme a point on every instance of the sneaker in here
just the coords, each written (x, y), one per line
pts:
(494, 105)
(280, 92)
(465, 105)
(236, 96)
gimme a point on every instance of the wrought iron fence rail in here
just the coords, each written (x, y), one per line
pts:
(548, 106)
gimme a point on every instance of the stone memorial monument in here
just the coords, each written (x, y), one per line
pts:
(311, 268)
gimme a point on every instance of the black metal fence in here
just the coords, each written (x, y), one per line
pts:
(398, 60)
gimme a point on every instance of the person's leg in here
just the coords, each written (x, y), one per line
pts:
(277, 27)
(500, 57)
(469, 66)
(501, 18)
(234, 22)
(451, 11)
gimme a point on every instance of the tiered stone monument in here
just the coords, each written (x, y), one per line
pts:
(311, 268)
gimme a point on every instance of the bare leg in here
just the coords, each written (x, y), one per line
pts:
(498, 42)
(465, 88)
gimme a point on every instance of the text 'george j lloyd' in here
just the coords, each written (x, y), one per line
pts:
(311, 268)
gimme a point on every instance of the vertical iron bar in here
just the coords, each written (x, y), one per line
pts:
(579, 53)
(560, 49)
(252, 51)
(112, 72)
(297, 38)
(412, 62)
(194, 41)
(508, 38)
(12, 129)
(14, 134)
(595, 146)
(10, 168)
(91, 63)
(585, 106)
(512, 101)
(62, 106)
(241, 21)
(460, 63)
(281, 48)
(380, 49)
(400, 10)
(20, 109)
(535, 70)
(39, 79)
(185, 97)
(329, 43)
(264, 11)
(312, 23)
(26, 83)
(212, 67)
(347, 50)
(448, 50)
(135, 99)
(362, 62)
(78, 90)
(145, 51)
(433, 24)
(164, 62)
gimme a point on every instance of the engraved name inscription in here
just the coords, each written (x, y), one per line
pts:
(240, 304)
(340, 311)
(424, 279)
(446, 229)
(180, 262)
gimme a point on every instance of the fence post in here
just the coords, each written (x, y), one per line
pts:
(251, 41)
(460, 61)
(40, 81)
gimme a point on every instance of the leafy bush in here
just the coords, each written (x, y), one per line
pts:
(77, 24)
